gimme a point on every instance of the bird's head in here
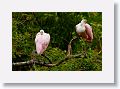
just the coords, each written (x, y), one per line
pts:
(41, 32)
(84, 21)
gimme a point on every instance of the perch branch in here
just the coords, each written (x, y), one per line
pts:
(69, 52)
(34, 61)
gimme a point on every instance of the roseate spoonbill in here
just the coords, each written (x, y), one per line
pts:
(84, 30)
(42, 41)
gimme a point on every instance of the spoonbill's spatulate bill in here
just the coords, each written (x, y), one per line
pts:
(42, 41)
(84, 30)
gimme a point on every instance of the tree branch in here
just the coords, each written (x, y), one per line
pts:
(70, 47)
(34, 61)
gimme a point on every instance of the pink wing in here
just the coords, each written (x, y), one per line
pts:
(42, 42)
(89, 32)
(46, 41)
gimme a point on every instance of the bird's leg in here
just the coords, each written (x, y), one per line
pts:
(46, 58)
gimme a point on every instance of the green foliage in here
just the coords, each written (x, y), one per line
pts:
(61, 27)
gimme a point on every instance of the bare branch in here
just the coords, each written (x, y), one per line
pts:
(31, 62)
(69, 45)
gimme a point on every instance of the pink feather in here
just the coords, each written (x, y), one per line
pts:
(42, 42)
(89, 32)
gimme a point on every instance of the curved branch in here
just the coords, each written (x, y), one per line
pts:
(69, 45)
(34, 61)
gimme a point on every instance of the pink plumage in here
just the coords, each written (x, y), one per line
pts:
(84, 30)
(42, 41)
(89, 32)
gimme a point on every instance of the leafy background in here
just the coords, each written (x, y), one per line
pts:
(61, 27)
